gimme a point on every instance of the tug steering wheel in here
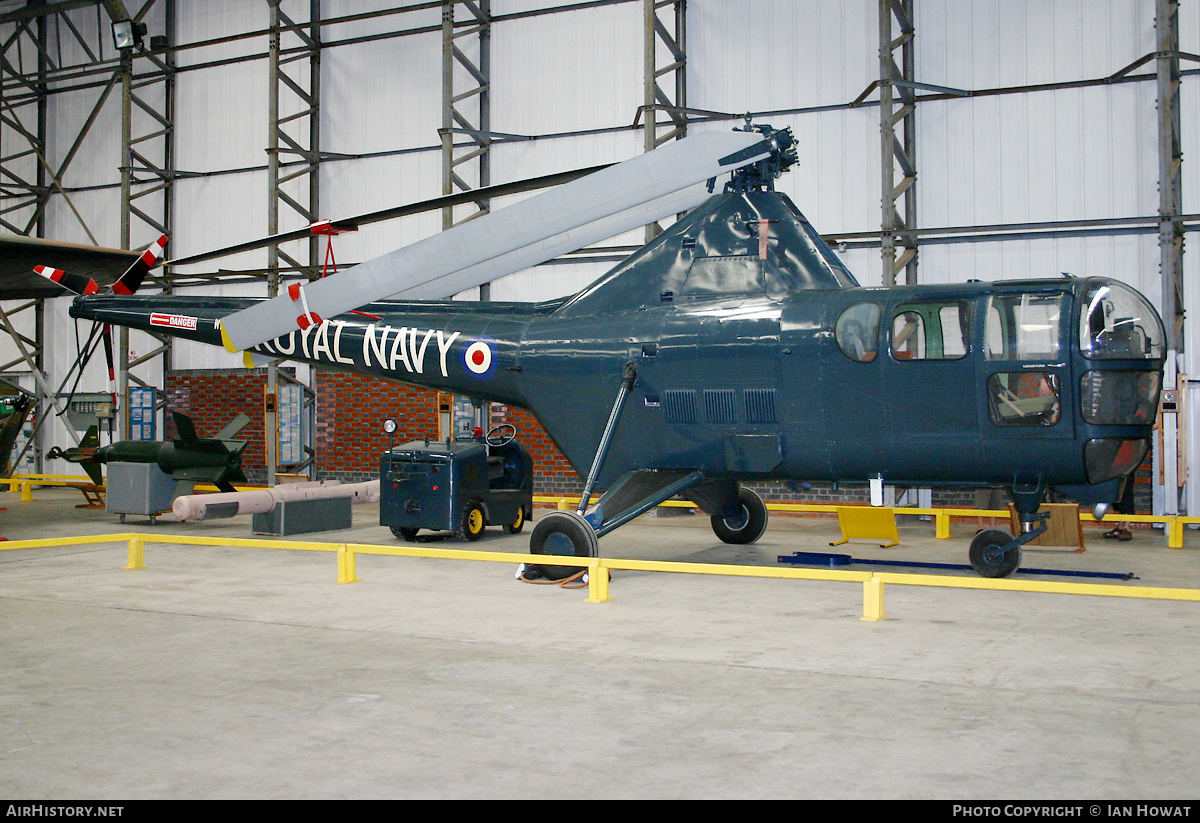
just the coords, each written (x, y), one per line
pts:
(501, 435)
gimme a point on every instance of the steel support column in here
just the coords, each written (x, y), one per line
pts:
(1170, 239)
(1170, 160)
(466, 105)
(147, 178)
(897, 106)
(293, 172)
(664, 77)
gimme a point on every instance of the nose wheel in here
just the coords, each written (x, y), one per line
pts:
(994, 553)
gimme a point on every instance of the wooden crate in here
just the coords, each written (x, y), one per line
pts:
(1062, 529)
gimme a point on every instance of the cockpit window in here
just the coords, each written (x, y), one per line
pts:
(1024, 326)
(857, 331)
(1118, 324)
(930, 331)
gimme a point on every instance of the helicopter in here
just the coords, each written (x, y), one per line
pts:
(734, 346)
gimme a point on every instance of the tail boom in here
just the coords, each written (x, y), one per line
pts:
(453, 346)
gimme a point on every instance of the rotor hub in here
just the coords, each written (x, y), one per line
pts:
(761, 176)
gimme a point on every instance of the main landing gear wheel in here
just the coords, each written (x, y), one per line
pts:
(562, 533)
(518, 524)
(473, 522)
(988, 556)
(747, 525)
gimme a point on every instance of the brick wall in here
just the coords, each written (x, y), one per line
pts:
(213, 398)
(351, 409)
(349, 436)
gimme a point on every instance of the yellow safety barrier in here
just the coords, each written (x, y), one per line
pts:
(24, 484)
(873, 583)
(1173, 523)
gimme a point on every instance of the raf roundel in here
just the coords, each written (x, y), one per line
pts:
(479, 358)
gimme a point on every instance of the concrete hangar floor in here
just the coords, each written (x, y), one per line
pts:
(228, 672)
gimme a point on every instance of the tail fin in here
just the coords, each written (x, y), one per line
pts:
(131, 280)
(90, 440)
(184, 427)
(92, 467)
(127, 283)
(233, 427)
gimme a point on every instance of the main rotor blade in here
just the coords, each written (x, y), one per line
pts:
(527, 225)
(445, 201)
(552, 247)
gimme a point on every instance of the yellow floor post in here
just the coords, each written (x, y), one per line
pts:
(873, 599)
(346, 565)
(598, 585)
(26, 491)
(1174, 533)
(137, 554)
(941, 522)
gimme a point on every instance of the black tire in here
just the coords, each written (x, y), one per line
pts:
(518, 524)
(745, 527)
(404, 534)
(473, 522)
(562, 533)
(988, 557)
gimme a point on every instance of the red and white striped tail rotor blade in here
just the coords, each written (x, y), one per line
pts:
(76, 283)
(131, 280)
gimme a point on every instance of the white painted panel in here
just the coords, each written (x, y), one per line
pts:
(221, 118)
(211, 22)
(748, 55)
(212, 212)
(548, 282)
(188, 355)
(567, 71)
(986, 45)
(1132, 259)
(1076, 154)
(382, 95)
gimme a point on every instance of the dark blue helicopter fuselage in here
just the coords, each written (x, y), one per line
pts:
(759, 357)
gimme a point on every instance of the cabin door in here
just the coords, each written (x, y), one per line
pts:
(934, 395)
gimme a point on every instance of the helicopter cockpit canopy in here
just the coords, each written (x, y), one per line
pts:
(1118, 324)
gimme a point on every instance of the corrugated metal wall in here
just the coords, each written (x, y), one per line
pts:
(1051, 154)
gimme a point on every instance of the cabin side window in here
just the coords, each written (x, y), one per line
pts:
(930, 331)
(857, 331)
(1024, 398)
(1024, 327)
